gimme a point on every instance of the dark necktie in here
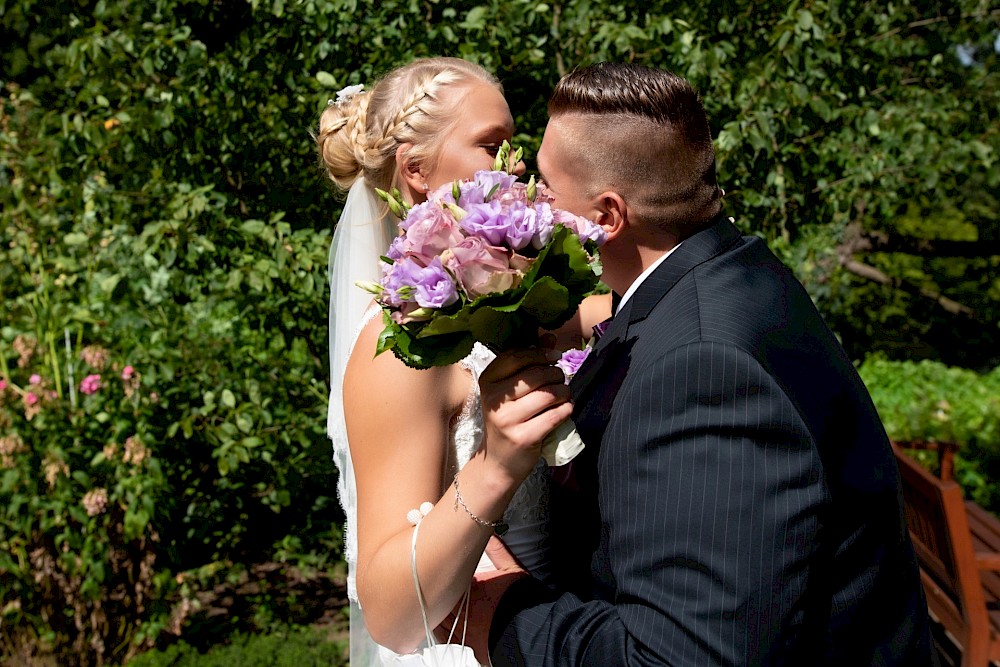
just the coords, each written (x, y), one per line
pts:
(601, 327)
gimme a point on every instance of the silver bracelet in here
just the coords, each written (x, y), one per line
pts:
(499, 527)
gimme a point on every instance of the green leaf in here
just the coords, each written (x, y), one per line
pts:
(326, 79)
(254, 227)
(228, 398)
(475, 19)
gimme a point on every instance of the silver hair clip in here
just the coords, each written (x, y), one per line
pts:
(346, 94)
(330, 103)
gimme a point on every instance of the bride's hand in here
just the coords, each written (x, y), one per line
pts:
(524, 399)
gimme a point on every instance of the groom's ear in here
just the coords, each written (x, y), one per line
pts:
(613, 213)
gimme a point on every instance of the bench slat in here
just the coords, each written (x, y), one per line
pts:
(958, 545)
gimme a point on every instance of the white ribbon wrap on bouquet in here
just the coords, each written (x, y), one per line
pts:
(440, 655)
(562, 445)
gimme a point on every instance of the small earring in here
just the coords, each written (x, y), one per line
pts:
(426, 188)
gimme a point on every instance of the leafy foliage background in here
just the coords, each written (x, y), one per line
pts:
(161, 199)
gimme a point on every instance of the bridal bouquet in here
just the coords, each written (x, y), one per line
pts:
(487, 259)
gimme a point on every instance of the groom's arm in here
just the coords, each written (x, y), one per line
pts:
(708, 492)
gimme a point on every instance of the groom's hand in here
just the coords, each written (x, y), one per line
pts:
(487, 589)
(524, 398)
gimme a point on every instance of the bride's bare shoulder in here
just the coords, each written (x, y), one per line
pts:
(384, 378)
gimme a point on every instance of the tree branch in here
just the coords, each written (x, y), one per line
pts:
(930, 21)
(869, 272)
(556, 15)
(870, 241)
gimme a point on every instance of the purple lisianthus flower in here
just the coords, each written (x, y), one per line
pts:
(435, 287)
(493, 182)
(520, 229)
(395, 251)
(475, 191)
(542, 224)
(572, 360)
(418, 212)
(487, 221)
(399, 281)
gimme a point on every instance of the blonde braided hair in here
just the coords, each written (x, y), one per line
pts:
(360, 137)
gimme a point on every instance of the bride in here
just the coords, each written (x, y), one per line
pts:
(419, 446)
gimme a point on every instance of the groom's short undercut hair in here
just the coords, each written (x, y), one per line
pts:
(656, 151)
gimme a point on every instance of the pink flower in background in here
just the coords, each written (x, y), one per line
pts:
(3, 385)
(95, 356)
(95, 501)
(127, 373)
(135, 451)
(90, 384)
(35, 379)
(30, 398)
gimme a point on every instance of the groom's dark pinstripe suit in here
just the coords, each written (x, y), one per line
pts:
(737, 502)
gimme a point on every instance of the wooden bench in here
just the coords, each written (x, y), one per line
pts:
(958, 545)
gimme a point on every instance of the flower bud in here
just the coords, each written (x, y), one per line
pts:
(457, 211)
(500, 163)
(370, 287)
(518, 154)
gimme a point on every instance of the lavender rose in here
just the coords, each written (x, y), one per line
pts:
(583, 228)
(480, 267)
(430, 232)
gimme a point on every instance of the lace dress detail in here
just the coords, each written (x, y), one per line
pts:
(528, 511)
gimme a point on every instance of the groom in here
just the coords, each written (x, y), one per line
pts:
(737, 502)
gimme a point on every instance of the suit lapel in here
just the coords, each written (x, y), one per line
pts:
(597, 382)
(697, 249)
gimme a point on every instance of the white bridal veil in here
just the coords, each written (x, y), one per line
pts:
(361, 237)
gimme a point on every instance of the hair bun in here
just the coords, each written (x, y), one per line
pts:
(341, 140)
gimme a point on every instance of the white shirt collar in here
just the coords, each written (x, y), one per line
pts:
(642, 276)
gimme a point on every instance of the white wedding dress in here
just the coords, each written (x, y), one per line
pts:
(527, 514)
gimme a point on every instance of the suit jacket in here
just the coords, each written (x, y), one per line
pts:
(737, 502)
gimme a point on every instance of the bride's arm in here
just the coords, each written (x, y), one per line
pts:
(579, 328)
(398, 427)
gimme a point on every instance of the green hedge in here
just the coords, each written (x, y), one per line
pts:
(302, 647)
(927, 400)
